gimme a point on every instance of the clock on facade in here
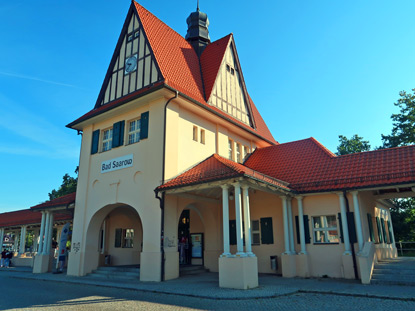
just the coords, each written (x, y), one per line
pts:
(130, 64)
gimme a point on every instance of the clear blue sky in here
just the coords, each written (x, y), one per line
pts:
(314, 68)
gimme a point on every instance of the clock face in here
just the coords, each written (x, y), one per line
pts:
(130, 64)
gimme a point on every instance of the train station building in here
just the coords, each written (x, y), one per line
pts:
(178, 168)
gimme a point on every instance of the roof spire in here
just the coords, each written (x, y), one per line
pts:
(197, 31)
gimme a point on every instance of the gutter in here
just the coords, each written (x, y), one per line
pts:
(162, 198)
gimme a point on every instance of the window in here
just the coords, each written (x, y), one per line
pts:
(238, 153)
(128, 238)
(256, 235)
(107, 140)
(325, 229)
(124, 238)
(134, 131)
(246, 151)
(202, 136)
(230, 149)
(195, 133)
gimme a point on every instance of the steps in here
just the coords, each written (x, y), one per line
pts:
(399, 271)
(117, 273)
(192, 270)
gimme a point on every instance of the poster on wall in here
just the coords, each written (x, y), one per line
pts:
(197, 245)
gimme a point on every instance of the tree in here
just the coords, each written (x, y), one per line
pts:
(403, 131)
(68, 186)
(352, 145)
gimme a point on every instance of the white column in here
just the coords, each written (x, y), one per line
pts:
(285, 219)
(22, 245)
(2, 238)
(238, 212)
(35, 240)
(49, 244)
(345, 226)
(358, 220)
(16, 242)
(247, 219)
(301, 224)
(45, 239)
(42, 233)
(225, 211)
(290, 225)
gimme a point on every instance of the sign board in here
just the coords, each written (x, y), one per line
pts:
(117, 163)
(197, 246)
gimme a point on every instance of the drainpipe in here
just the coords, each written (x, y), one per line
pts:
(162, 198)
(356, 275)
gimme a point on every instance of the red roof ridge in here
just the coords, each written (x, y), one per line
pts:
(331, 154)
(63, 200)
(375, 151)
(148, 12)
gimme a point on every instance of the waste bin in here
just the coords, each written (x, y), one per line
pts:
(274, 263)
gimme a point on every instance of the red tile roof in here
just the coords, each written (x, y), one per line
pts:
(27, 217)
(217, 168)
(61, 201)
(308, 166)
(182, 71)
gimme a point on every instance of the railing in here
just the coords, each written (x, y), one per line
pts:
(406, 249)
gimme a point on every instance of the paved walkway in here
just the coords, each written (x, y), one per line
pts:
(207, 286)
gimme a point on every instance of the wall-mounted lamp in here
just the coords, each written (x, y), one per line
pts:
(231, 195)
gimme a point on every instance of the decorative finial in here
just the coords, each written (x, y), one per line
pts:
(198, 5)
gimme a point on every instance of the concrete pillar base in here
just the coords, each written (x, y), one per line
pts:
(41, 264)
(347, 266)
(150, 266)
(288, 263)
(171, 266)
(303, 265)
(238, 272)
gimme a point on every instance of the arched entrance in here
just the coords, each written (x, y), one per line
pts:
(191, 237)
(114, 237)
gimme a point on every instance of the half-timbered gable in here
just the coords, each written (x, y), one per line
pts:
(228, 91)
(133, 65)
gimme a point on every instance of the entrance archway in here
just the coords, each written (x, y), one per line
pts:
(114, 237)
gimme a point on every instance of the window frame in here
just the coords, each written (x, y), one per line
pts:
(231, 149)
(108, 140)
(137, 130)
(202, 136)
(195, 133)
(325, 230)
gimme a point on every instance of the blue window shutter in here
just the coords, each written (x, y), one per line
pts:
(379, 230)
(352, 227)
(306, 230)
(144, 125)
(385, 238)
(232, 232)
(118, 134)
(95, 142)
(390, 232)
(267, 236)
(339, 217)
(297, 229)
(371, 234)
(118, 237)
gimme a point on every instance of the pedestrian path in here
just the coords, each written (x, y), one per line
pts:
(206, 285)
